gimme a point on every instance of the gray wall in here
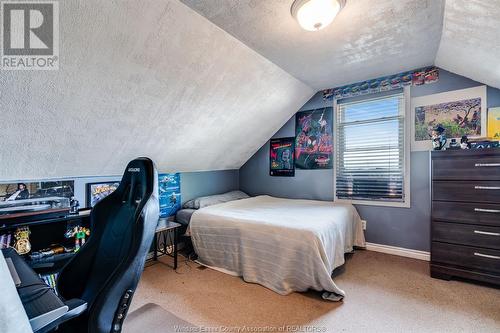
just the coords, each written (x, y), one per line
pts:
(196, 184)
(402, 227)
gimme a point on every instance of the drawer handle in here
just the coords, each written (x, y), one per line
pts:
(487, 165)
(486, 256)
(487, 187)
(486, 233)
(484, 210)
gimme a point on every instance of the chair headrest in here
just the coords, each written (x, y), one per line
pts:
(140, 177)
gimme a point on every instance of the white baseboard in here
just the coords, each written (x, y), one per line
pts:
(399, 251)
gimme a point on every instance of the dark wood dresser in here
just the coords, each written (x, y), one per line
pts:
(466, 214)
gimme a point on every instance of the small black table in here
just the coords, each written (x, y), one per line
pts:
(165, 231)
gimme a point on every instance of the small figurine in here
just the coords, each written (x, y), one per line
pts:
(464, 142)
(438, 138)
(79, 233)
(22, 244)
(454, 144)
(74, 206)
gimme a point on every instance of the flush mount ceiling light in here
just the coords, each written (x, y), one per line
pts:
(314, 15)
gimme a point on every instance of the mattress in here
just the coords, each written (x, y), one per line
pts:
(285, 245)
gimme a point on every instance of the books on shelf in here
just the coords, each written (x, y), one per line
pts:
(50, 280)
(5, 240)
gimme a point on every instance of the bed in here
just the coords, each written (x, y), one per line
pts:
(285, 245)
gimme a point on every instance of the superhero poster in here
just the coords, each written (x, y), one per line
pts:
(313, 139)
(169, 188)
(281, 157)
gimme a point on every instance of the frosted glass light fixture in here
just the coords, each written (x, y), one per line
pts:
(314, 15)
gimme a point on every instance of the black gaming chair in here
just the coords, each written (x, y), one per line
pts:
(105, 271)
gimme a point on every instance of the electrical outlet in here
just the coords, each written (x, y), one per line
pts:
(363, 224)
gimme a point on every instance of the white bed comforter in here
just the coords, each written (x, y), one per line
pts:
(285, 245)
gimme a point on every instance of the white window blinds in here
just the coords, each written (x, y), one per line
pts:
(371, 149)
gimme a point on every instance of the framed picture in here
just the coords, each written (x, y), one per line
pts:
(98, 191)
(30, 198)
(169, 186)
(281, 157)
(314, 139)
(494, 123)
(460, 112)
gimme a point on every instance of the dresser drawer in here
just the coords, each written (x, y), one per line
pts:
(467, 191)
(465, 256)
(472, 213)
(465, 234)
(467, 167)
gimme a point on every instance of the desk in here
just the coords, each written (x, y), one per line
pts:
(163, 232)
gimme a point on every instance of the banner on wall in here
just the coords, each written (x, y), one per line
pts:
(313, 139)
(386, 83)
(281, 157)
(169, 188)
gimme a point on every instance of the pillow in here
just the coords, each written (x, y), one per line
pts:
(214, 199)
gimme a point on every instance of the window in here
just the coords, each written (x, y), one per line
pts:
(372, 166)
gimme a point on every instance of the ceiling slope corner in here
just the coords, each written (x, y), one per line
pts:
(469, 43)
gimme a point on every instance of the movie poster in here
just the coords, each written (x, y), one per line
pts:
(35, 196)
(281, 155)
(169, 185)
(98, 191)
(314, 139)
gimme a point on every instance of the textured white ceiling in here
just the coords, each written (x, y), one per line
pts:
(368, 39)
(141, 78)
(470, 44)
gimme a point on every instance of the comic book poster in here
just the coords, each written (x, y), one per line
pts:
(98, 191)
(313, 139)
(169, 186)
(494, 123)
(281, 156)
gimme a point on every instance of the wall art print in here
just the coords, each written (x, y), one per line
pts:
(459, 112)
(35, 197)
(169, 186)
(98, 191)
(281, 157)
(494, 123)
(314, 139)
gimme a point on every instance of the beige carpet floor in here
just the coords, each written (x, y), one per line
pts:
(385, 293)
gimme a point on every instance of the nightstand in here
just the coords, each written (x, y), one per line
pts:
(166, 233)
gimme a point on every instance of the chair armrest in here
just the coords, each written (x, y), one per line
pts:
(76, 308)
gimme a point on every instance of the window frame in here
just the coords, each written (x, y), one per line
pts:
(407, 152)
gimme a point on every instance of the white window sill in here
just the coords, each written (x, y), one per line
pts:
(405, 204)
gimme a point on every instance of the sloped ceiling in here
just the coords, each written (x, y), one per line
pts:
(368, 39)
(470, 44)
(141, 78)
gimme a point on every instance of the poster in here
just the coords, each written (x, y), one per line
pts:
(169, 186)
(98, 191)
(494, 123)
(281, 157)
(459, 112)
(26, 197)
(314, 139)
(386, 83)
